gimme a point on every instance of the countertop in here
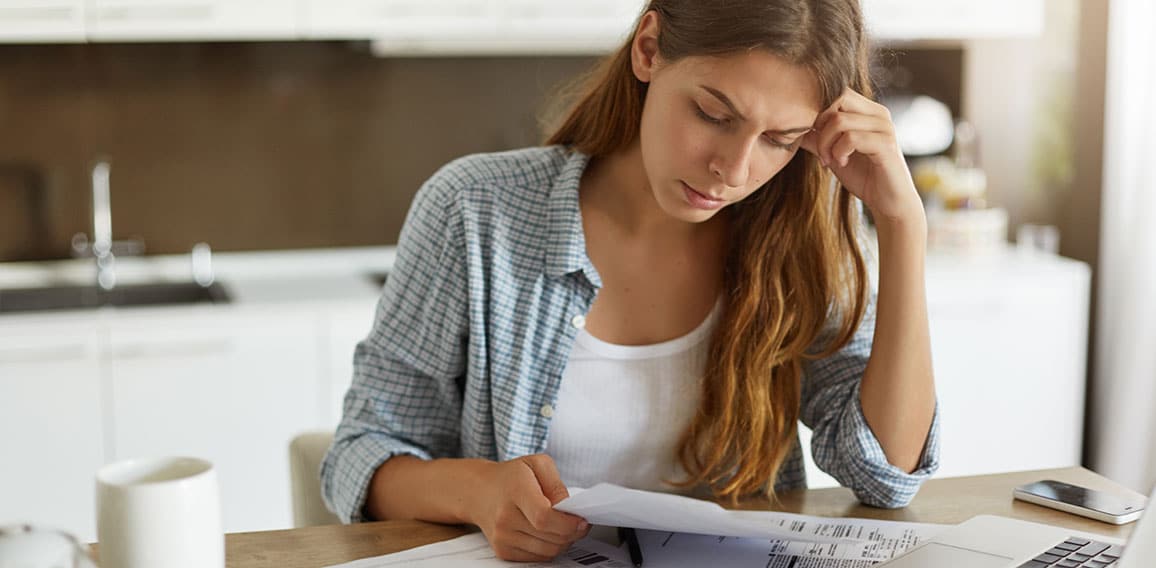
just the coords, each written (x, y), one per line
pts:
(261, 279)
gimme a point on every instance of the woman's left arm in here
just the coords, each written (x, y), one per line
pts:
(855, 138)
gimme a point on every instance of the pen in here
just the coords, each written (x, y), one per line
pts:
(627, 534)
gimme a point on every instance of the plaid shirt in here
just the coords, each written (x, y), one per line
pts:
(476, 322)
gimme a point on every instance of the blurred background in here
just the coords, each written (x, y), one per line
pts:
(199, 200)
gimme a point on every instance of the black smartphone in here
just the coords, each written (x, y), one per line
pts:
(1099, 505)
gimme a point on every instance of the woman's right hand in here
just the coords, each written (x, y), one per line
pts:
(515, 510)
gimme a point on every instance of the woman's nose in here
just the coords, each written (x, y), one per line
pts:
(732, 165)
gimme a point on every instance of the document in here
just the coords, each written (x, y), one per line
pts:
(612, 505)
(473, 550)
(874, 542)
(678, 532)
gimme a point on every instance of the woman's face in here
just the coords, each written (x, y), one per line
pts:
(715, 129)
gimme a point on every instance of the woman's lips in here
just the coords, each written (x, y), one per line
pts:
(699, 200)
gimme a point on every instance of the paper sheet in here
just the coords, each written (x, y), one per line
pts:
(607, 504)
(473, 550)
(875, 541)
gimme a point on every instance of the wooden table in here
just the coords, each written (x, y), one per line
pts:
(949, 501)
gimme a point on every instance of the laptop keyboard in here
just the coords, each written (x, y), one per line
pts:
(1077, 553)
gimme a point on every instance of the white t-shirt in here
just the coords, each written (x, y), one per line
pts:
(621, 410)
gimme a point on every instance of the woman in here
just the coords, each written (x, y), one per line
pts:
(656, 297)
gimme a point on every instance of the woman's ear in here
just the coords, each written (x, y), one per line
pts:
(644, 47)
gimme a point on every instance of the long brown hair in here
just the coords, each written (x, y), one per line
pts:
(795, 279)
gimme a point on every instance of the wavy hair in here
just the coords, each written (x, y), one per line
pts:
(795, 280)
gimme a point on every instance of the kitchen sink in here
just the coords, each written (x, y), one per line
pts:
(82, 297)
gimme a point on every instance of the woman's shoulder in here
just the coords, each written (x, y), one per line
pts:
(527, 167)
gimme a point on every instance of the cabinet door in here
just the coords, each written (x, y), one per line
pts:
(415, 20)
(30, 21)
(50, 427)
(548, 19)
(232, 389)
(1009, 355)
(344, 330)
(162, 20)
(953, 19)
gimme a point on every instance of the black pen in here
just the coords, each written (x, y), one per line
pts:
(628, 534)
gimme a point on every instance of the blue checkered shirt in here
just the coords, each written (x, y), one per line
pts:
(476, 323)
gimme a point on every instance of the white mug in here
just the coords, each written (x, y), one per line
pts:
(159, 512)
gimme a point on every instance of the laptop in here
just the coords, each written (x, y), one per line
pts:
(989, 541)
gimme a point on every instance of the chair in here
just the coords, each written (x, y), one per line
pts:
(305, 454)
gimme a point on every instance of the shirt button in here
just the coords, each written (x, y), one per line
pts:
(546, 411)
(578, 321)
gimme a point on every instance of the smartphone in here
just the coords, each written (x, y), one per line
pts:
(1077, 500)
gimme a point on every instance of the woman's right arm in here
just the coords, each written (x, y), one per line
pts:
(512, 502)
(393, 456)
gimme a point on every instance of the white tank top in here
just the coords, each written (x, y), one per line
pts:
(621, 410)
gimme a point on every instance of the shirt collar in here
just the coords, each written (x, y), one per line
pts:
(566, 242)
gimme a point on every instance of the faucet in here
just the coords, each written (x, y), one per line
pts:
(102, 227)
(102, 246)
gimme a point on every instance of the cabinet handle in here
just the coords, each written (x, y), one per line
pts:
(197, 12)
(53, 354)
(158, 350)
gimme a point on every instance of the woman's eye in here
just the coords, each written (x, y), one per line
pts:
(781, 145)
(703, 115)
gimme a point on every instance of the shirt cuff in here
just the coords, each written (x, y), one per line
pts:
(349, 466)
(875, 481)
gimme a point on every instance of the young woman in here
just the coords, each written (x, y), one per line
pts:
(656, 297)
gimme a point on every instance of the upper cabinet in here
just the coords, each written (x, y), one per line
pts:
(451, 26)
(34, 21)
(953, 19)
(176, 20)
(473, 26)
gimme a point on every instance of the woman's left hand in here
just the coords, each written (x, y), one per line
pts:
(855, 138)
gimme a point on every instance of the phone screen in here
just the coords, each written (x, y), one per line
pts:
(1082, 497)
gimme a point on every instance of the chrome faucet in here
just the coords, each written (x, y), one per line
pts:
(102, 246)
(102, 227)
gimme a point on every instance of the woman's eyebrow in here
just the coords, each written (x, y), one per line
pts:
(727, 101)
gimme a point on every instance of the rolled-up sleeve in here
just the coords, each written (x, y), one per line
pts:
(406, 393)
(842, 443)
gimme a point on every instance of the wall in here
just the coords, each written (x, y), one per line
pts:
(250, 145)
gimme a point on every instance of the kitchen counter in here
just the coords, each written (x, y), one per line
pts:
(254, 280)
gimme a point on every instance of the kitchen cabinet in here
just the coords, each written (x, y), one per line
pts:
(170, 20)
(1009, 334)
(24, 21)
(953, 19)
(413, 20)
(51, 424)
(231, 388)
(449, 27)
(343, 329)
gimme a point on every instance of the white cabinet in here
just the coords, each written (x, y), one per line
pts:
(343, 330)
(953, 19)
(407, 20)
(229, 388)
(50, 426)
(41, 21)
(1009, 335)
(1009, 343)
(169, 20)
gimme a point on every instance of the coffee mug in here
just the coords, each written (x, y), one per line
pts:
(159, 512)
(26, 546)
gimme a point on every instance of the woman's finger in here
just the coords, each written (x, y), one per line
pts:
(844, 122)
(866, 143)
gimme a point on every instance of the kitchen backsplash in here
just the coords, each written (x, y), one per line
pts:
(252, 146)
